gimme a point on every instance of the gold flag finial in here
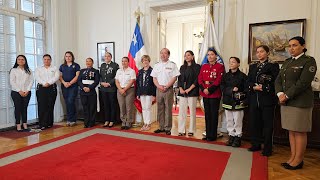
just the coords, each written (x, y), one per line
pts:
(138, 14)
(211, 3)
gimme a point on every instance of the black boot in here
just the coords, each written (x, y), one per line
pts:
(236, 142)
(230, 141)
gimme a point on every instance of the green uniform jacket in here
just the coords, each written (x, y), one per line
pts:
(295, 79)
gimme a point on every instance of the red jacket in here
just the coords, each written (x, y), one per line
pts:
(210, 78)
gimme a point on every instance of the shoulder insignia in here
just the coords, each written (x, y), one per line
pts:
(312, 69)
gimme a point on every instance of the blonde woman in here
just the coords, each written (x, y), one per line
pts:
(146, 91)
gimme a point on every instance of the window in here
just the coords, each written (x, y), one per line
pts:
(8, 3)
(8, 52)
(32, 6)
(34, 49)
(20, 33)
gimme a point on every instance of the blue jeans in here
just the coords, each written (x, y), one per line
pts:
(69, 95)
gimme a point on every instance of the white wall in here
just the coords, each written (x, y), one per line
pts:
(100, 21)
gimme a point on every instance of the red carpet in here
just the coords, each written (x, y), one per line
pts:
(199, 112)
(259, 167)
(14, 134)
(110, 157)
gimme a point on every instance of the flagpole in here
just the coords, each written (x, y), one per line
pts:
(138, 118)
(211, 3)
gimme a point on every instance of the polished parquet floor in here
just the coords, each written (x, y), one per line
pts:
(311, 169)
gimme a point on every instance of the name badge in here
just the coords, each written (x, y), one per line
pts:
(87, 82)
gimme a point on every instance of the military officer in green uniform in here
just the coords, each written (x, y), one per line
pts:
(108, 89)
(293, 88)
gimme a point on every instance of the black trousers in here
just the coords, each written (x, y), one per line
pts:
(46, 97)
(211, 109)
(89, 104)
(261, 126)
(110, 105)
(20, 106)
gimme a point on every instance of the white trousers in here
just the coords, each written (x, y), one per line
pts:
(184, 102)
(146, 103)
(234, 122)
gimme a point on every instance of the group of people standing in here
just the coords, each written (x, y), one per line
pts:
(265, 86)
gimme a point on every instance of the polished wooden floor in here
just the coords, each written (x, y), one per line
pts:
(311, 169)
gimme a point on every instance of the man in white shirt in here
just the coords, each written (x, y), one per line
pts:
(46, 77)
(164, 74)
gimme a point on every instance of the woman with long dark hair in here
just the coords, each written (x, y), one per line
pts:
(21, 81)
(69, 72)
(188, 93)
(293, 87)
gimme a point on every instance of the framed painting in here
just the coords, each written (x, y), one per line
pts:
(276, 36)
(102, 48)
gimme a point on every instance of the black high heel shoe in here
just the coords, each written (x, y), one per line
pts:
(299, 166)
(284, 164)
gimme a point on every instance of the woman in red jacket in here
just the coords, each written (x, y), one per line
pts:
(209, 81)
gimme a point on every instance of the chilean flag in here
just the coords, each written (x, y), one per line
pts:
(136, 51)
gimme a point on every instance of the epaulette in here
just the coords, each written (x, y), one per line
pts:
(310, 57)
(288, 59)
(254, 62)
(272, 61)
(173, 62)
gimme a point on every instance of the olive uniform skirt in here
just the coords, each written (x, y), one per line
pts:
(296, 119)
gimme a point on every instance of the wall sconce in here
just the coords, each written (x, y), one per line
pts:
(200, 35)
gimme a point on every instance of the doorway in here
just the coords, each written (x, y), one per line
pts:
(184, 30)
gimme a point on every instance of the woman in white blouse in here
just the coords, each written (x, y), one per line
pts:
(21, 81)
(125, 78)
(46, 77)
